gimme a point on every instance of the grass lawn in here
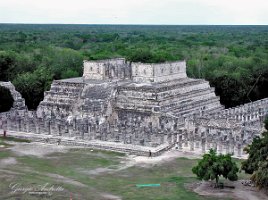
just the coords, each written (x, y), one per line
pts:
(3, 140)
(86, 174)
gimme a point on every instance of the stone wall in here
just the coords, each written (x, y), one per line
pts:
(169, 71)
(250, 114)
(197, 133)
(106, 69)
(158, 72)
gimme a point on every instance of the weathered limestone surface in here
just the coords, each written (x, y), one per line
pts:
(134, 105)
(61, 98)
(107, 69)
(158, 72)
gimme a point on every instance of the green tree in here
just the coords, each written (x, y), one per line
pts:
(231, 91)
(7, 62)
(212, 166)
(64, 59)
(32, 86)
(69, 73)
(257, 162)
(141, 55)
(6, 99)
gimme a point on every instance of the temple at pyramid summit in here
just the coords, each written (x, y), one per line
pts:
(133, 107)
(116, 90)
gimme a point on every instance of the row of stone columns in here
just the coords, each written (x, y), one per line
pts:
(83, 129)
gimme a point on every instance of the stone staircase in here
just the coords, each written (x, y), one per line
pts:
(61, 98)
(96, 97)
(179, 97)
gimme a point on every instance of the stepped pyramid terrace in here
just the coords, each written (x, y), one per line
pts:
(136, 107)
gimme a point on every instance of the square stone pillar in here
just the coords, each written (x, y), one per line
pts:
(203, 144)
(27, 126)
(37, 126)
(186, 143)
(180, 142)
(239, 149)
(215, 146)
(208, 145)
(49, 127)
(197, 143)
(220, 148)
(192, 146)
(227, 150)
(232, 146)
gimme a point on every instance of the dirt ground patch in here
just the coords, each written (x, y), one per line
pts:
(240, 192)
(107, 196)
(64, 179)
(37, 149)
(165, 157)
(8, 161)
(121, 169)
(142, 161)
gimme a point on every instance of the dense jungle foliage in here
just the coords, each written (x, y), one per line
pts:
(257, 162)
(233, 58)
(6, 99)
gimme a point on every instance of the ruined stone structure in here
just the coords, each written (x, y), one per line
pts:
(19, 102)
(139, 106)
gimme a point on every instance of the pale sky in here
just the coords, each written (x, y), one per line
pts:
(135, 11)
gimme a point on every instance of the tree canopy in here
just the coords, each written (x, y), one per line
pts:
(6, 99)
(234, 59)
(212, 166)
(257, 162)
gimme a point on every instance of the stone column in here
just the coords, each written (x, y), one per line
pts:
(203, 144)
(227, 145)
(232, 146)
(192, 146)
(66, 129)
(37, 126)
(27, 125)
(162, 139)
(89, 128)
(49, 127)
(239, 149)
(70, 129)
(74, 123)
(93, 132)
(19, 124)
(130, 139)
(180, 142)
(172, 138)
(59, 129)
(197, 143)
(191, 141)
(220, 148)
(82, 131)
(186, 138)
(124, 135)
(215, 146)
(208, 145)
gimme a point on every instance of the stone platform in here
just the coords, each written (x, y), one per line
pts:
(94, 144)
(137, 107)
